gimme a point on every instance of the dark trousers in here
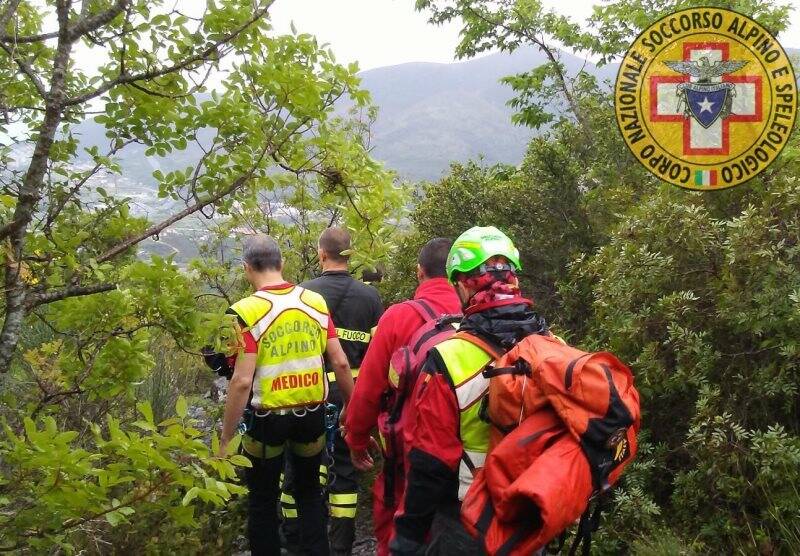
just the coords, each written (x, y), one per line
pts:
(448, 535)
(302, 439)
(342, 485)
(342, 499)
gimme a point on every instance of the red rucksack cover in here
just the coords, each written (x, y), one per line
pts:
(573, 418)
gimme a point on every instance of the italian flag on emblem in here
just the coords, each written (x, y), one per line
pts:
(705, 177)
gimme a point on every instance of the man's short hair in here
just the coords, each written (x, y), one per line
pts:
(262, 253)
(335, 241)
(433, 257)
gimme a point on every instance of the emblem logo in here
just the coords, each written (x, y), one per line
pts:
(618, 444)
(704, 95)
(706, 98)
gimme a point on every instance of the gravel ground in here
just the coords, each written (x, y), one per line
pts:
(365, 544)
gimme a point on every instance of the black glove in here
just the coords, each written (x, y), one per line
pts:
(217, 362)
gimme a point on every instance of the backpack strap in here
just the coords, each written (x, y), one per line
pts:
(484, 521)
(520, 367)
(335, 309)
(589, 523)
(392, 468)
(423, 309)
(468, 462)
(482, 526)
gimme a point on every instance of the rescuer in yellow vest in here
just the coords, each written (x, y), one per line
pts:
(450, 439)
(279, 377)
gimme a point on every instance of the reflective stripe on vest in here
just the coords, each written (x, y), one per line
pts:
(290, 327)
(465, 473)
(465, 362)
(285, 302)
(353, 335)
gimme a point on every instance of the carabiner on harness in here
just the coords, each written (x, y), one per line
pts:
(331, 425)
(246, 422)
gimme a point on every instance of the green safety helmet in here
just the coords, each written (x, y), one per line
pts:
(476, 246)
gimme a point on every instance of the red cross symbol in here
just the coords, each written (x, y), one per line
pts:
(714, 140)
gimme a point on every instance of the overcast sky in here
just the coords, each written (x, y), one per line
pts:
(387, 32)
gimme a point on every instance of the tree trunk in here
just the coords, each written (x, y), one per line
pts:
(29, 195)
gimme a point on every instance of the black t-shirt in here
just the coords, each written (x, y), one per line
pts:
(355, 309)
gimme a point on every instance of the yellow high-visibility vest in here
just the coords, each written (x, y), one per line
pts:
(291, 328)
(465, 362)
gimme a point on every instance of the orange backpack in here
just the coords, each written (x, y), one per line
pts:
(564, 428)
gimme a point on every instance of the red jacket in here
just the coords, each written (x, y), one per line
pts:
(394, 330)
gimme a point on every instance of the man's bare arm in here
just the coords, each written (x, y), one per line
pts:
(238, 393)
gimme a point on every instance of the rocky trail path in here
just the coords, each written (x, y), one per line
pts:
(365, 544)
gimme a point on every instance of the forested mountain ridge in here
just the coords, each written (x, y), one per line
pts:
(428, 115)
